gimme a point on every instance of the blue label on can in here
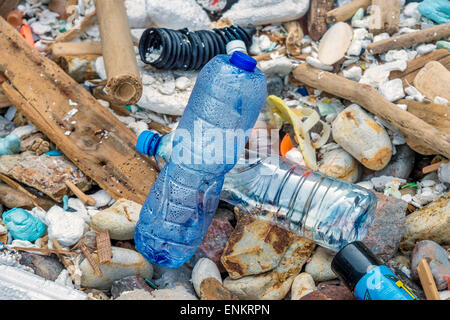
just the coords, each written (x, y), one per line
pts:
(380, 283)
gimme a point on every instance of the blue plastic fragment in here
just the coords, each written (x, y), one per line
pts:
(53, 153)
(65, 202)
(9, 145)
(436, 10)
(23, 225)
(303, 91)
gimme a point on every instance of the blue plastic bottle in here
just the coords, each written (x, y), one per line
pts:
(227, 98)
(329, 211)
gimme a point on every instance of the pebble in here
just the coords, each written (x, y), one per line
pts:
(425, 48)
(335, 292)
(120, 219)
(357, 133)
(392, 90)
(387, 227)
(443, 45)
(274, 86)
(302, 285)
(275, 284)
(213, 242)
(437, 258)
(400, 166)
(212, 289)
(66, 227)
(270, 11)
(320, 265)
(6, 127)
(339, 164)
(177, 293)
(102, 198)
(48, 267)
(280, 66)
(432, 222)
(254, 247)
(130, 283)
(354, 73)
(204, 268)
(124, 263)
(444, 172)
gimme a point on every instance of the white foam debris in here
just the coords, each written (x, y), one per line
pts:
(354, 73)
(317, 64)
(280, 66)
(392, 90)
(66, 227)
(440, 100)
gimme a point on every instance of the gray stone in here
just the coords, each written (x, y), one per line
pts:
(48, 267)
(400, 166)
(274, 86)
(319, 266)
(437, 258)
(128, 284)
(5, 127)
(388, 226)
(124, 263)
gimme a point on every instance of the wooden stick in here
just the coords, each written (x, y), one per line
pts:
(433, 167)
(104, 250)
(266, 56)
(431, 113)
(4, 101)
(317, 16)
(159, 127)
(415, 65)
(44, 250)
(410, 39)
(76, 276)
(80, 194)
(384, 16)
(124, 81)
(87, 22)
(427, 281)
(294, 38)
(76, 49)
(18, 187)
(91, 260)
(345, 12)
(98, 143)
(6, 6)
(368, 97)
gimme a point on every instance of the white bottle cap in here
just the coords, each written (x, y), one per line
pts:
(236, 45)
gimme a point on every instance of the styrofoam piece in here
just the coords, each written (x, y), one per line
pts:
(16, 284)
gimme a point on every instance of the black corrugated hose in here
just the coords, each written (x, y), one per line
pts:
(184, 50)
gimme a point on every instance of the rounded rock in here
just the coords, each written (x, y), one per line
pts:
(358, 134)
(302, 285)
(339, 164)
(204, 268)
(320, 266)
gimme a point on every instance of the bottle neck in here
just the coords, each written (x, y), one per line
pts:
(148, 143)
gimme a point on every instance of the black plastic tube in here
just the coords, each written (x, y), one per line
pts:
(184, 50)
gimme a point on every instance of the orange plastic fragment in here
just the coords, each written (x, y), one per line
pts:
(15, 18)
(286, 145)
(25, 31)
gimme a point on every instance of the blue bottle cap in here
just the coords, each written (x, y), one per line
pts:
(243, 61)
(147, 143)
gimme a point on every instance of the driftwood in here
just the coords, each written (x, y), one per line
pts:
(347, 11)
(92, 138)
(317, 16)
(76, 49)
(80, 194)
(427, 280)
(124, 81)
(433, 80)
(266, 56)
(433, 114)
(410, 39)
(294, 38)
(80, 68)
(87, 22)
(368, 98)
(415, 65)
(4, 101)
(384, 16)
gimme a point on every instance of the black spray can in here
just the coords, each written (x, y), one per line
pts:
(366, 275)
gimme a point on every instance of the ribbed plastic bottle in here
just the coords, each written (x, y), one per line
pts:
(227, 97)
(329, 211)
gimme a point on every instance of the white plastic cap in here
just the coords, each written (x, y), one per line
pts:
(236, 45)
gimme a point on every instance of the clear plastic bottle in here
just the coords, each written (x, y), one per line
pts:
(329, 211)
(227, 97)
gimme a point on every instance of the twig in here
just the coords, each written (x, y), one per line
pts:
(18, 187)
(433, 167)
(80, 194)
(91, 260)
(266, 56)
(88, 21)
(76, 278)
(44, 250)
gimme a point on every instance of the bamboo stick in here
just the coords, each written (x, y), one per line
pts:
(76, 49)
(410, 39)
(367, 97)
(345, 12)
(124, 81)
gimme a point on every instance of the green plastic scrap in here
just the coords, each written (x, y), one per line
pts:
(443, 45)
(414, 185)
(151, 284)
(359, 14)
